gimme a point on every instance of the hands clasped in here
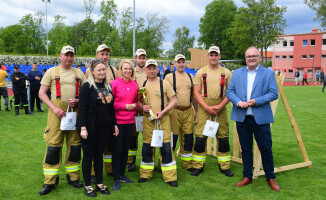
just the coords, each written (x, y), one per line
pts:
(247, 104)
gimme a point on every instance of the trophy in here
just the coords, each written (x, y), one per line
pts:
(142, 91)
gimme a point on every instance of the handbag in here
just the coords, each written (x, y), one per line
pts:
(68, 123)
(211, 128)
(157, 137)
(139, 123)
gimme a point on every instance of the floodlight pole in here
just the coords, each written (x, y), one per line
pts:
(46, 21)
(134, 31)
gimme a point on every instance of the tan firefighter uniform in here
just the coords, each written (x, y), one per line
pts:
(140, 77)
(182, 116)
(69, 79)
(212, 97)
(167, 160)
(112, 74)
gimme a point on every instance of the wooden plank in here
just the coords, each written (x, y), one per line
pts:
(209, 146)
(236, 143)
(236, 159)
(293, 122)
(285, 168)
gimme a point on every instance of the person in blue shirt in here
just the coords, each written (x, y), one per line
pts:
(34, 76)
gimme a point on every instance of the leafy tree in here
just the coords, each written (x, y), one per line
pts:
(257, 25)
(58, 35)
(13, 39)
(320, 7)
(182, 42)
(106, 24)
(214, 25)
(126, 31)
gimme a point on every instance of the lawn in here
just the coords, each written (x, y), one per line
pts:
(22, 148)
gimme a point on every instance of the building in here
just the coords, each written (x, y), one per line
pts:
(303, 52)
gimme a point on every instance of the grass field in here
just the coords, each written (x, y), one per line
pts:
(22, 148)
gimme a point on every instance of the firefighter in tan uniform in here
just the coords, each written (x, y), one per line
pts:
(182, 116)
(103, 53)
(161, 99)
(64, 82)
(140, 76)
(210, 87)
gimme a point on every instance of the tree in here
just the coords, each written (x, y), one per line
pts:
(126, 31)
(151, 39)
(58, 35)
(13, 39)
(258, 25)
(182, 42)
(89, 23)
(320, 7)
(214, 25)
(106, 24)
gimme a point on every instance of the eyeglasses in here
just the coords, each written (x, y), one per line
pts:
(97, 61)
(253, 56)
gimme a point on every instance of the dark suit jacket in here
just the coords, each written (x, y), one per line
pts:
(264, 91)
(87, 109)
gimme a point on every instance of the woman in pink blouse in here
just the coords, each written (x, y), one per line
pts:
(125, 93)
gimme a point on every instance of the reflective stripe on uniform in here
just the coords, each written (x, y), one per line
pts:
(224, 158)
(186, 157)
(107, 158)
(25, 105)
(199, 158)
(72, 168)
(169, 166)
(144, 165)
(51, 171)
(132, 153)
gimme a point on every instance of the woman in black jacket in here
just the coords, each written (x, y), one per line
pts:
(96, 120)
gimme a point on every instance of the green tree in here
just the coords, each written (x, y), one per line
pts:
(106, 24)
(58, 35)
(320, 7)
(13, 39)
(126, 31)
(258, 25)
(214, 25)
(182, 42)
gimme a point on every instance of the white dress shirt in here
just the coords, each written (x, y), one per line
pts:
(251, 75)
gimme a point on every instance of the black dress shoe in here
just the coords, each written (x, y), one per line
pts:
(227, 172)
(142, 180)
(173, 183)
(196, 172)
(132, 167)
(46, 189)
(40, 110)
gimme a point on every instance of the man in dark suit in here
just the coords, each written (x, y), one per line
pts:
(251, 90)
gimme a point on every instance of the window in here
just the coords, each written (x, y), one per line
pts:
(290, 71)
(285, 71)
(304, 43)
(324, 41)
(310, 71)
(290, 57)
(291, 43)
(304, 56)
(277, 57)
(284, 57)
(285, 43)
(323, 56)
(312, 42)
(312, 56)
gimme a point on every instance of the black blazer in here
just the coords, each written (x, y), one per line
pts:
(87, 109)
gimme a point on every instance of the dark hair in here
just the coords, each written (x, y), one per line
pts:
(35, 63)
(95, 62)
(44, 70)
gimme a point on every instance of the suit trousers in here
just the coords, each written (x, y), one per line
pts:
(263, 137)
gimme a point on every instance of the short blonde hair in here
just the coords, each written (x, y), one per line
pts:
(132, 68)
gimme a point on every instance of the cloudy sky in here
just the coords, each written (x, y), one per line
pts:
(180, 13)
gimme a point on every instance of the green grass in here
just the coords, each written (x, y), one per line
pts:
(22, 148)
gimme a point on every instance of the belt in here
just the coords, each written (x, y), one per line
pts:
(182, 108)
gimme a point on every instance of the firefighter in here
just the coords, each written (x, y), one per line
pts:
(103, 53)
(18, 80)
(210, 86)
(161, 99)
(64, 82)
(182, 116)
(140, 76)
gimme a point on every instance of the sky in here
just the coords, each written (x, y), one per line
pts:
(180, 13)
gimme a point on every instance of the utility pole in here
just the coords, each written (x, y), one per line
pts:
(46, 20)
(134, 32)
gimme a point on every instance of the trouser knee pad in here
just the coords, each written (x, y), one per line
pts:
(166, 152)
(52, 155)
(147, 152)
(200, 145)
(75, 153)
(223, 145)
(189, 142)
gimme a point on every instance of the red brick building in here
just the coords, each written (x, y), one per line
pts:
(303, 52)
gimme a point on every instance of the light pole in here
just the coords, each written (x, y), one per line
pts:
(134, 32)
(46, 21)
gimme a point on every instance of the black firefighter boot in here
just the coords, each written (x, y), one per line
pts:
(16, 110)
(27, 112)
